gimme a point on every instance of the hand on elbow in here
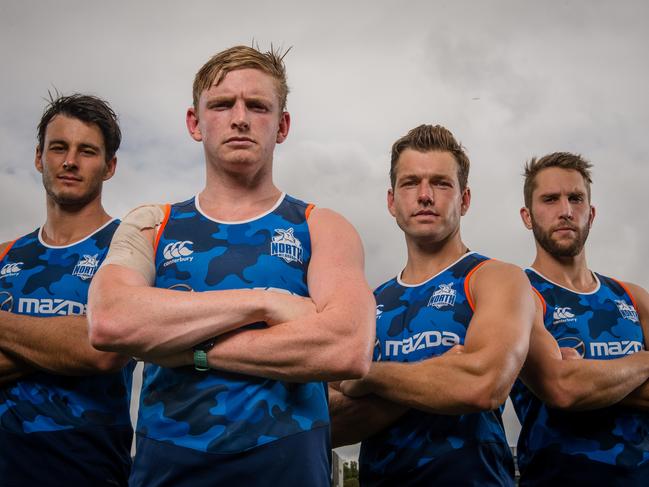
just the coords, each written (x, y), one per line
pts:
(108, 363)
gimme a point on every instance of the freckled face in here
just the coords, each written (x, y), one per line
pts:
(240, 121)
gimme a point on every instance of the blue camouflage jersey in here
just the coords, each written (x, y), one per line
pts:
(417, 322)
(54, 429)
(236, 428)
(608, 446)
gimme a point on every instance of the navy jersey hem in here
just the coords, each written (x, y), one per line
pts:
(553, 469)
(485, 464)
(299, 459)
(79, 456)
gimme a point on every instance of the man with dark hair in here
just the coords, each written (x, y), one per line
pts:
(224, 403)
(64, 406)
(452, 334)
(584, 412)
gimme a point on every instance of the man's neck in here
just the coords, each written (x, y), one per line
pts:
(65, 225)
(426, 260)
(237, 196)
(569, 272)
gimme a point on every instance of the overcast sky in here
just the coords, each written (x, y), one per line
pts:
(511, 79)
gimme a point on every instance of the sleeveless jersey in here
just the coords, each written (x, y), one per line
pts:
(56, 428)
(218, 412)
(417, 322)
(600, 325)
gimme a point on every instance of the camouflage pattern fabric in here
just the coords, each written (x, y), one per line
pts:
(41, 280)
(216, 411)
(601, 325)
(417, 322)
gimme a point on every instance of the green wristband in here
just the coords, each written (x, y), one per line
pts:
(200, 360)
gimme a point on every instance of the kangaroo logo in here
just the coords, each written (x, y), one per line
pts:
(627, 311)
(86, 267)
(443, 296)
(286, 246)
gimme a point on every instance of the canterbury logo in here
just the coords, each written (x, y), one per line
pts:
(6, 301)
(11, 269)
(562, 314)
(177, 249)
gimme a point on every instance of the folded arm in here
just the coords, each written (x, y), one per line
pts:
(477, 376)
(639, 397)
(355, 419)
(127, 315)
(332, 344)
(56, 344)
(579, 384)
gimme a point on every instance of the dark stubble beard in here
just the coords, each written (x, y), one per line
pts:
(556, 249)
(76, 203)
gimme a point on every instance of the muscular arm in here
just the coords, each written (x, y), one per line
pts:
(579, 384)
(59, 344)
(129, 316)
(334, 343)
(639, 397)
(477, 376)
(354, 419)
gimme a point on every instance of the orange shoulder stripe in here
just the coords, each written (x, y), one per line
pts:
(7, 249)
(162, 227)
(468, 277)
(309, 207)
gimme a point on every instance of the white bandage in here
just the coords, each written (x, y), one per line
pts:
(130, 248)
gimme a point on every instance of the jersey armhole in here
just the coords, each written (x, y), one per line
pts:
(6, 250)
(468, 277)
(627, 291)
(161, 228)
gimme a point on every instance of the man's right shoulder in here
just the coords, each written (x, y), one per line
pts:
(147, 216)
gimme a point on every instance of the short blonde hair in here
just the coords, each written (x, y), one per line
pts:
(241, 57)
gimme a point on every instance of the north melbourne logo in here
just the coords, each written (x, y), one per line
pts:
(563, 315)
(379, 311)
(176, 252)
(443, 296)
(627, 311)
(86, 267)
(11, 269)
(286, 246)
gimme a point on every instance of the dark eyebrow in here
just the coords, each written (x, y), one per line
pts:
(57, 141)
(86, 145)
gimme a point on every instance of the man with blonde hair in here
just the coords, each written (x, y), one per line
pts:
(233, 393)
(452, 331)
(584, 408)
